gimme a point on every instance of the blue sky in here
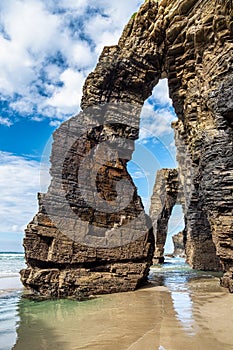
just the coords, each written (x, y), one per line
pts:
(48, 48)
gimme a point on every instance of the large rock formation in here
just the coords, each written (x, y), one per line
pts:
(190, 42)
(91, 235)
(199, 246)
(164, 198)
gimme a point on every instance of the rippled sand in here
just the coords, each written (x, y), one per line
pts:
(150, 318)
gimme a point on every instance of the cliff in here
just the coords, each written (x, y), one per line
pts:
(86, 239)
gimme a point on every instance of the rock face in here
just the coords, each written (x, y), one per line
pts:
(179, 244)
(172, 187)
(190, 42)
(199, 246)
(89, 237)
(164, 198)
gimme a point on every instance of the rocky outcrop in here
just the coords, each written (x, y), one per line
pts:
(91, 235)
(190, 42)
(164, 198)
(179, 244)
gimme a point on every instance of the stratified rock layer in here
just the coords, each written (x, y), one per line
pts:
(83, 241)
(191, 42)
(176, 187)
(199, 246)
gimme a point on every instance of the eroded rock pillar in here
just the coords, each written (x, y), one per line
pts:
(164, 198)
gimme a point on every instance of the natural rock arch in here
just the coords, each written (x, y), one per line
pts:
(190, 42)
(197, 237)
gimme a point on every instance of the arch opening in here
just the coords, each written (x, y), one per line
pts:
(155, 149)
(175, 240)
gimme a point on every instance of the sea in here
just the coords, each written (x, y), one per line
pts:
(11, 263)
(179, 309)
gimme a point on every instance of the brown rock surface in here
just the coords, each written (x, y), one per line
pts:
(191, 42)
(89, 236)
(199, 246)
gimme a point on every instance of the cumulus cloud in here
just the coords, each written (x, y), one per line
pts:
(49, 47)
(19, 183)
(65, 98)
(160, 94)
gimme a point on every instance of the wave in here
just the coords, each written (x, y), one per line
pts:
(12, 253)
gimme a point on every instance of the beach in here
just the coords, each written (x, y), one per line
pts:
(179, 309)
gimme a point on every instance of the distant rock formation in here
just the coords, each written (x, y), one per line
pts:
(179, 245)
(110, 250)
(163, 200)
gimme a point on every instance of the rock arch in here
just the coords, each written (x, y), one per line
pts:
(190, 42)
(172, 188)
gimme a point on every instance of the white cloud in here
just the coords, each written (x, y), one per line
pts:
(139, 175)
(157, 114)
(19, 183)
(5, 121)
(66, 98)
(30, 26)
(79, 55)
(28, 37)
(55, 123)
(161, 94)
(43, 41)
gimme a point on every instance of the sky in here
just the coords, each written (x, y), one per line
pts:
(48, 47)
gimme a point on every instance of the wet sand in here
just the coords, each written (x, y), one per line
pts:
(181, 309)
(151, 318)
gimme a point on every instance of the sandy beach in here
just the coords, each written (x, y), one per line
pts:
(180, 309)
(149, 318)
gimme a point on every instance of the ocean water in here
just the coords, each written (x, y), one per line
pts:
(11, 264)
(177, 310)
(10, 293)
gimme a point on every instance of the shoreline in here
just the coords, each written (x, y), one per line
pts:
(177, 309)
(144, 319)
